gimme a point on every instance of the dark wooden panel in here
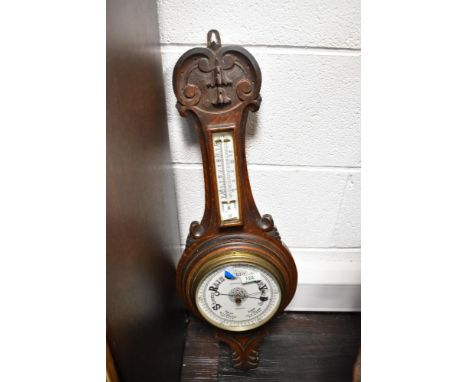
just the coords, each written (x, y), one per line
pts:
(318, 347)
(201, 354)
(145, 320)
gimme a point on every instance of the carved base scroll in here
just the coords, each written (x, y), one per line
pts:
(244, 347)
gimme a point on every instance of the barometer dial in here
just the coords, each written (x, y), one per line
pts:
(238, 296)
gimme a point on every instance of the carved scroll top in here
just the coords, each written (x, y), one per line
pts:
(216, 79)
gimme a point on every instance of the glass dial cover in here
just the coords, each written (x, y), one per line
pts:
(238, 296)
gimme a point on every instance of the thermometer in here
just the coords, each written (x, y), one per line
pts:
(226, 177)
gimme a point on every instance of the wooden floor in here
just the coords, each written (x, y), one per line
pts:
(317, 347)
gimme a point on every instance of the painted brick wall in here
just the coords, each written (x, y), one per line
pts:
(304, 159)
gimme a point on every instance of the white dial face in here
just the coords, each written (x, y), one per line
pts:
(226, 177)
(238, 296)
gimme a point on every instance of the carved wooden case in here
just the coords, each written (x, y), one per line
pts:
(217, 86)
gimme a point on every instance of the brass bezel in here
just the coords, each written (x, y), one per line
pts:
(229, 258)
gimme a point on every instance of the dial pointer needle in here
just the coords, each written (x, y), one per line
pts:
(248, 295)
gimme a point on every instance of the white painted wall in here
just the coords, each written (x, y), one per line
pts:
(304, 159)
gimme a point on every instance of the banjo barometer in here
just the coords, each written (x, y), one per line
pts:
(235, 272)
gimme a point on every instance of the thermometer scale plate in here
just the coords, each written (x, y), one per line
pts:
(226, 176)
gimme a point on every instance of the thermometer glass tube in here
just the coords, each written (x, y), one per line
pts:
(226, 176)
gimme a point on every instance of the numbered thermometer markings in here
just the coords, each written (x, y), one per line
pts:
(232, 304)
(226, 177)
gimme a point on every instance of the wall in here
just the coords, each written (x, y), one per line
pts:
(304, 159)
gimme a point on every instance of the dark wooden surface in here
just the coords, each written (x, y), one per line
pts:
(145, 321)
(318, 347)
